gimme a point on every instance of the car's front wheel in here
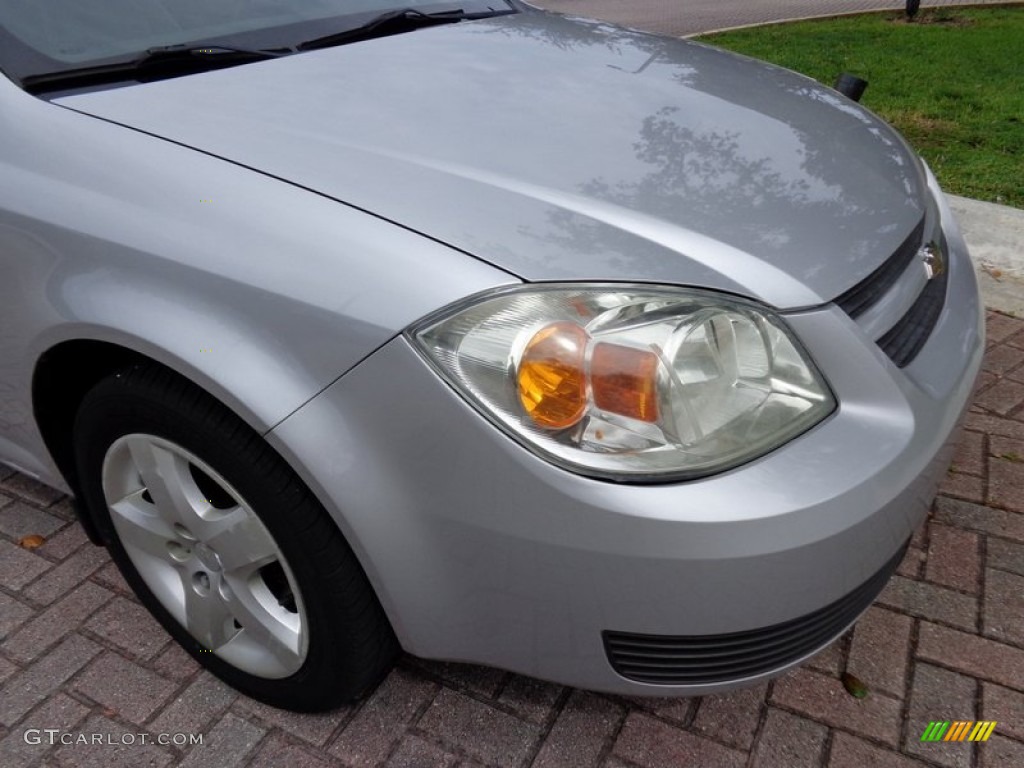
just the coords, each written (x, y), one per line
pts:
(225, 545)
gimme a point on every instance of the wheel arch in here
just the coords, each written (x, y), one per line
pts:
(65, 373)
(69, 369)
(154, 404)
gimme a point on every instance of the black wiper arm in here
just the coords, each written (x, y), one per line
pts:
(389, 23)
(154, 64)
(210, 52)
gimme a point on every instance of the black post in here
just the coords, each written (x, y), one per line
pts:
(912, 8)
(851, 86)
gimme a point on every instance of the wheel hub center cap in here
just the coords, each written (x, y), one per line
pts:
(208, 557)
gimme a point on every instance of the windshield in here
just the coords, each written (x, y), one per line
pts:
(46, 36)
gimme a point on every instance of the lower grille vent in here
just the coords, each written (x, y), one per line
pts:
(705, 659)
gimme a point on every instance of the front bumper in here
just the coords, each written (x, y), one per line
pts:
(482, 552)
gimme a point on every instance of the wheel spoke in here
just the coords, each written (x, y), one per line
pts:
(208, 617)
(267, 628)
(167, 478)
(240, 540)
(140, 529)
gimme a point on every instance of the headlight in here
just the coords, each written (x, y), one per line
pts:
(630, 382)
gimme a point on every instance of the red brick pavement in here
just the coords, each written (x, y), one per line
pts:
(944, 641)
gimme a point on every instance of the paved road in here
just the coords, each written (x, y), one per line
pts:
(944, 641)
(689, 17)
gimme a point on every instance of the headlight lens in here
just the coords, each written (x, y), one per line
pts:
(630, 382)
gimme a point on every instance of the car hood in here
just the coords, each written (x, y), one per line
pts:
(563, 149)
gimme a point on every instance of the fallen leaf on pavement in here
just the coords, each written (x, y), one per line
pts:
(32, 541)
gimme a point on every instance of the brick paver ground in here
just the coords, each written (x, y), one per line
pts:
(944, 641)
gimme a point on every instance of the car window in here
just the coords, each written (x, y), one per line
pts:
(43, 36)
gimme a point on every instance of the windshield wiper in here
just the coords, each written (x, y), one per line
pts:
(390, 23)
(155, 64)
(169, 52)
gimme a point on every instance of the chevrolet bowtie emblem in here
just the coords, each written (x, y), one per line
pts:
(933, 259)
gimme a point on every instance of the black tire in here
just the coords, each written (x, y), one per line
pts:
(349, 645)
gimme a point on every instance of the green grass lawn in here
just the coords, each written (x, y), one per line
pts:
(952, 82)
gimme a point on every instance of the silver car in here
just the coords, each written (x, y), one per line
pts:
(485, 333)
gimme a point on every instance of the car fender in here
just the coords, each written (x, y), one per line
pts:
(259, 291)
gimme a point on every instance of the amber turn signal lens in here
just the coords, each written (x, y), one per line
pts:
(624, 381)
(552, 387)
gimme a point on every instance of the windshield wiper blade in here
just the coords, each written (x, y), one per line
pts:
(155, 64)
(388, 23)
(212, 52)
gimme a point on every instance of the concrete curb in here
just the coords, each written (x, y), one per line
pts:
(994, 232)
(841, 14)
(995, 237)
(795, 20)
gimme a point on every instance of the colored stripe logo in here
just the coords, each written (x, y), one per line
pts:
(958, 730)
